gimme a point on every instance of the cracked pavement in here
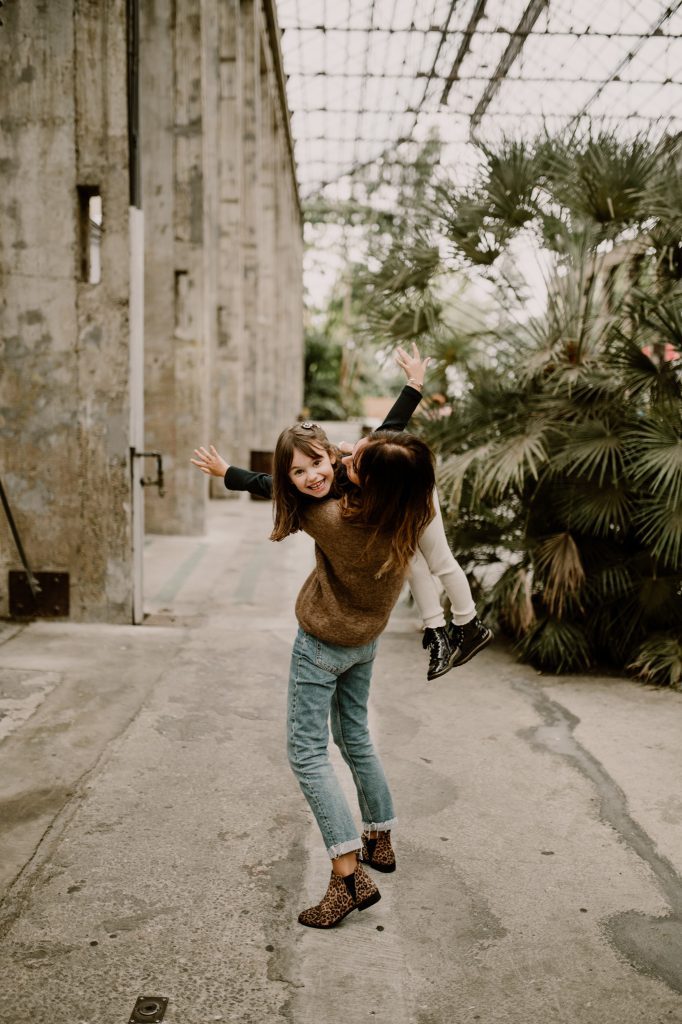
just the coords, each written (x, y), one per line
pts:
(153, 839)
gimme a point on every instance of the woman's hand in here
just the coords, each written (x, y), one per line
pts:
(413, 365)
(209, 462)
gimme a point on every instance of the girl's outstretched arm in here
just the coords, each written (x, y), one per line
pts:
(409, 398)
(413, 365)
(210, 462)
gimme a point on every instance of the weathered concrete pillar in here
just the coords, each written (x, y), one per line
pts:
(270, 380)
(227, 365)
(250, 219)
(157, 115)
(212, 131)
(211, 134)
(271, 348)
(190, 407)
(64, 390)
(179, 120)
(289, 289)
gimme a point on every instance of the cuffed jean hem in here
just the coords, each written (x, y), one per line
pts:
(379, 826)
(339, 849)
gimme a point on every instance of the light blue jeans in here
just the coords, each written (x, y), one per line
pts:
(332, 682)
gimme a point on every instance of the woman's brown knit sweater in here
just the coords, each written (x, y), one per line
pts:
(342, 602)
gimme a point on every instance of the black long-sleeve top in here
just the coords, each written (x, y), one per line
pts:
(237, 479)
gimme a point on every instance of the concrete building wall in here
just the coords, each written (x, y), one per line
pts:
(218, 351)
(64, 409)
(222, 274)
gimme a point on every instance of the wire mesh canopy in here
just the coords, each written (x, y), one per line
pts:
(367, 77)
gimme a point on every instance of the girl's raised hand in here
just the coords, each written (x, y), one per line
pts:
(209, 461)
(413, 365)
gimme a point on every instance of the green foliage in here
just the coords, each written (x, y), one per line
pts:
(580, 478)
(323, 398)
(344, 339)
(561, 454)
(556, 645)
(659, 659)
(600, 179)
(478, 222)
(340, 366)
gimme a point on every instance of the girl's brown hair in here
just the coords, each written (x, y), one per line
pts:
(306, 438)
(395, 497)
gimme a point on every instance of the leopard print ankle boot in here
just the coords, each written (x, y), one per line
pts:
(355, 892)
(378, 852)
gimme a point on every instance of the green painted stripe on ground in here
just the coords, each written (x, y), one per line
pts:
(171, 587)
(246, 588)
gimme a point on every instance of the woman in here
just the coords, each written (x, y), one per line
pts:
(363, 545)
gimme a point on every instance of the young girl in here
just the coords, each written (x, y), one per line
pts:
(364, 541)
(326, 476)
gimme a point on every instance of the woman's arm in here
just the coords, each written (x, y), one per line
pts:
(210, 462)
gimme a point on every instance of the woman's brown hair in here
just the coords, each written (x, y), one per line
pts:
(396, 481)
(306, 438)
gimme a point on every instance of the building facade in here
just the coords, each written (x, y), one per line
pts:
(150, 275)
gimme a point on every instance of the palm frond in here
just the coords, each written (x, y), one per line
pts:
(639, 372)
(612, 583)
(602, 510)
(510, 180)
(453, 469)
(659, 660)
(556, 646)
(659, 596)
(401, 318)
(560, 569)
(402, 268)
(659, 526)
(601, 177)
(464, 219)
(592, 450)
(663, 317)
(510, 600)
(511, 459)
(654, 450)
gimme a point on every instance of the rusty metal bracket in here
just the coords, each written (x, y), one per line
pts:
(145, 480)
(50, 601)
(31, 579)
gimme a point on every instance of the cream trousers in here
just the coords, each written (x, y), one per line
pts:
(433, 558)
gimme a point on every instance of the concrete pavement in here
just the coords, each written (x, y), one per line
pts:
(154, 841)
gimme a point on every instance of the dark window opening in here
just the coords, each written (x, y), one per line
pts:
(90, 220)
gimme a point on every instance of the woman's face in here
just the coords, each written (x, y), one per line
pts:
(313, 476)
(350, 461)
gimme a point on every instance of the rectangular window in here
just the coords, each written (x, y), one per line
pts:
(90, 222)
(182, 304)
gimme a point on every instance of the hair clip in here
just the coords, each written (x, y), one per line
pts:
(307, 425)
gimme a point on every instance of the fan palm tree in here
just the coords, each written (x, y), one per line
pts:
(562, 459)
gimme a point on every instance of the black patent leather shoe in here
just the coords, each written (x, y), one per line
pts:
(440, 651)
(467, 640)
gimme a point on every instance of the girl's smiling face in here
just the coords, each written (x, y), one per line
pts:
(312, 475)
